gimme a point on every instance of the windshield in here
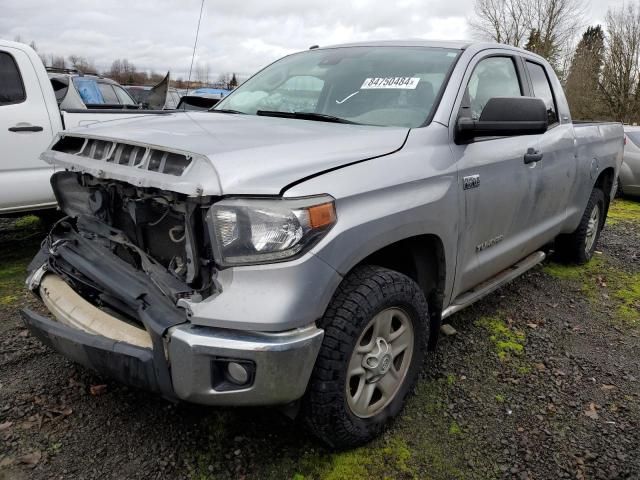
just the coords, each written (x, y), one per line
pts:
(386, 86)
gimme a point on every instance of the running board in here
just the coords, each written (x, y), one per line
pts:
(488, 286)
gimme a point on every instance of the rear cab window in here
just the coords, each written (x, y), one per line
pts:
(542, 89)
(11, 87)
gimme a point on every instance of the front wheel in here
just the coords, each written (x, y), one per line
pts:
(376, 333)
(579, 246)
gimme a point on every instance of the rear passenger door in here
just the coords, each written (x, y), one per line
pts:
(554, 175)
(25, 132)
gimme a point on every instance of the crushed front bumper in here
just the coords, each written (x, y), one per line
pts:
(282, 361)
(171, 356)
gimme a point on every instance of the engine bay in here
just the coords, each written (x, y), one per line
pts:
(158, 232)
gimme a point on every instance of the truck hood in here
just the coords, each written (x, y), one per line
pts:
(244, 154)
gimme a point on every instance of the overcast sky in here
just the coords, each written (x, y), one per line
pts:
(239, 36)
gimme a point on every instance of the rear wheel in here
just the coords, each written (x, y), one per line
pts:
(376, 333)
(617, 188)
(579, 246)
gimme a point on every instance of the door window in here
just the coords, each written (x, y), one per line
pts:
(11, 87)
(492, 77)
(88, 90)
(108, 94)
(123, 96)
(542, 89)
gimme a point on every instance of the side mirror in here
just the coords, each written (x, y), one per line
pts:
(505, 117)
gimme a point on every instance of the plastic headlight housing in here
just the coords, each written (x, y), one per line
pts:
(249, 231)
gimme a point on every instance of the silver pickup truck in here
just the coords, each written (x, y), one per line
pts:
(302, 243)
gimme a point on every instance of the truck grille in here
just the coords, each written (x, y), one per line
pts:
(135, 156)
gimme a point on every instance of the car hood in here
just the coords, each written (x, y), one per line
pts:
(247, 154)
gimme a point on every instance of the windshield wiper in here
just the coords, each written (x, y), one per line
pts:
(320, 117)
(225, 110)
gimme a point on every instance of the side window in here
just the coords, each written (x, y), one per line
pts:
(108, 94)
(11, 87)
(542, 90)
(124, 97)
(88, 90)
(492, 77)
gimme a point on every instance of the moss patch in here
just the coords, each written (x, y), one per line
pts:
(387, 460)
(27, 222)
(424, 442)
(18, 243)
(507, 341)
(624, 211)
(629, 296)
(12, 275)
(601, 281)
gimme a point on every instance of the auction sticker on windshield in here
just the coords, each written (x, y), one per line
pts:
(407, 83)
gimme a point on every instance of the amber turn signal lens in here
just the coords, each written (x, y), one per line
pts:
(322, 215)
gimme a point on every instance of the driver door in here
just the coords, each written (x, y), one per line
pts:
(495, 184)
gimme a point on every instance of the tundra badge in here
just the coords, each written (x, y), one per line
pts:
(472, 181)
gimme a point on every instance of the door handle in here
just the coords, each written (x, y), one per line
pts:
(532, 156)
(29, 128)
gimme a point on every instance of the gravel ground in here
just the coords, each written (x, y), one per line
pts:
(541, 381)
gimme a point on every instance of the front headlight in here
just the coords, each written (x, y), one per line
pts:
(249, 231)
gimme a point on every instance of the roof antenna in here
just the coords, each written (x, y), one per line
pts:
(195, 43)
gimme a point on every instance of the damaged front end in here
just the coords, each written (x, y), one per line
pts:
(122, 272)
(120, 262)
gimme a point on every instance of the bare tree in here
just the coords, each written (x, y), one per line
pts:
(547, 27)
(621, 72)
(501, 21)
(202, 73)
(81, 63)
(57, 61)
(123, 71)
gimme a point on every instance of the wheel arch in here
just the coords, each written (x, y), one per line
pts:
(605, 182)
(421, 258)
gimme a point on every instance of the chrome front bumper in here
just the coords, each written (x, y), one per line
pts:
(185, 363)
(283, 364)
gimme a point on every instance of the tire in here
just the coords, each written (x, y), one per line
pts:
(619, 191)
(578, 247)
(368, 300)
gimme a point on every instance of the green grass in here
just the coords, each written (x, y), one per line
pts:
(18, 244)
(12, 275)
(389, 458)
(422, 443)
(624, 211)
(27, 222)
(601, 281)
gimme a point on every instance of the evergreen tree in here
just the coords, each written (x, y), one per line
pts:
(582, 85)
(233, 83)
(543, 46)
